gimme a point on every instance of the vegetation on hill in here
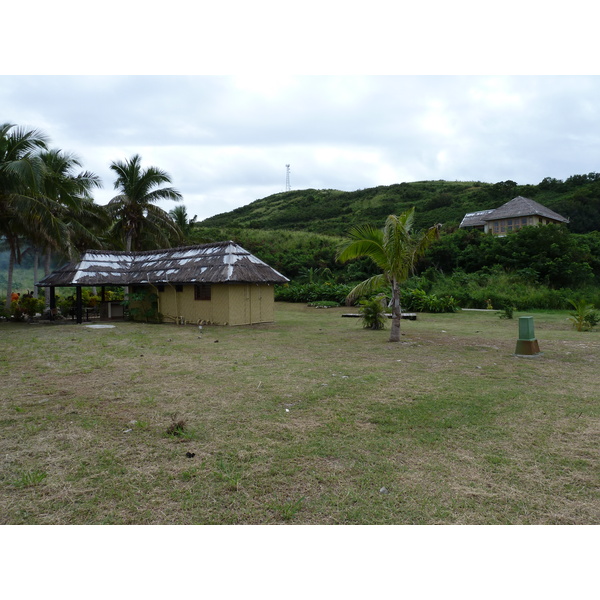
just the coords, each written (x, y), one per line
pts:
(531, 268)
(333, 212)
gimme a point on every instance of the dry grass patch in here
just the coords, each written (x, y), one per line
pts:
(303, 421)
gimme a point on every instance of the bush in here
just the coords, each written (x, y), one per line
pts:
(32, 306)
(373, 312)
(584, 317)
(501, 289)
(143, 306)
(312, 292)
(418, 301)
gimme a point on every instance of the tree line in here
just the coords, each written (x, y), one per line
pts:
(47, 206)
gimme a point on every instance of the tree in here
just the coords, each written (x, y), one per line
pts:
(136, 220)
(20, 177)
(180, 216)
(395, 250)
(67, 194)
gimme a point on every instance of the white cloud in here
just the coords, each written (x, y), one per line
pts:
(226, 140)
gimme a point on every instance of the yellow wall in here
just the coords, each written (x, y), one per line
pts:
(230, 304)
(251, 303)
(501, 227)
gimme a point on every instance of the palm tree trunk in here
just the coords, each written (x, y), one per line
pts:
(396, 312)
(47, 260)
(36, 262)
(9, 279)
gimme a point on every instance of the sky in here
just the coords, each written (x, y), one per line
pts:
(224, 96)
(226, 140)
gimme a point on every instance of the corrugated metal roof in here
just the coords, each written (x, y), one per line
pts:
(221, 262)
(475, 219)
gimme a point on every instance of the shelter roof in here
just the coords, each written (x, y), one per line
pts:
(220, 262)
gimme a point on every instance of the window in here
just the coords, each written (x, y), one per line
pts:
(202, 291)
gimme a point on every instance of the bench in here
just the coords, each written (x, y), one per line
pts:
(405, 315)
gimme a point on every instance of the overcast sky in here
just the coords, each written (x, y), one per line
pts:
(226, 141)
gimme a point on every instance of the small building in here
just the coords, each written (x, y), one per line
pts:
(219, 283)
(518, 212)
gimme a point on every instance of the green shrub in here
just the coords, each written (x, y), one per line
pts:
(418, 301)
(143, 306)
(312, 292)
(507, 312)
(372, 311)
(584, 317)
(32, 306)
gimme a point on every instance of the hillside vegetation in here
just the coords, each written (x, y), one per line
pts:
(332, 212)
(299, 233)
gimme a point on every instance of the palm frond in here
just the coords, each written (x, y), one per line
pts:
(368, 287)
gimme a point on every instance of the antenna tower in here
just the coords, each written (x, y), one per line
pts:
(288, 187)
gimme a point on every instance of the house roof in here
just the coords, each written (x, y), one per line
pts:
(220, 262)
(523, 207)
(475, 219)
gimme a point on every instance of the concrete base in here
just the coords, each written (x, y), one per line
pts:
(527, 348)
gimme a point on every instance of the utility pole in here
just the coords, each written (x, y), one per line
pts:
(288, 187)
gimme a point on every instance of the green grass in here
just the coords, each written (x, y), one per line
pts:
(303, 421)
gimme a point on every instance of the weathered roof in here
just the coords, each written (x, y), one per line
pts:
(517, 207)
(475, 219)
(220, 262)
(523, 207)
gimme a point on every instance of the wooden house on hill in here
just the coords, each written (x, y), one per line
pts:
(219, 283)
(518, 212)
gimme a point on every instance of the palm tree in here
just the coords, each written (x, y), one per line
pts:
(180, 216)
(20, 177)
(68, 197)
(136, 219)
(395, 249)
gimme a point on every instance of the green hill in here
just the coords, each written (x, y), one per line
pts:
(332, 212)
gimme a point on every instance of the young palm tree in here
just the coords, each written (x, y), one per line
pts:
(136, 219)
(395, 249)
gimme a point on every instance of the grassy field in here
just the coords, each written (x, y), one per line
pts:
(310, 420)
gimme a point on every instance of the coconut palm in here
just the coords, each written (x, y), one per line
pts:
(20, 177)
(179, 214)
(67, 194)
(137, 222)
(395, 249)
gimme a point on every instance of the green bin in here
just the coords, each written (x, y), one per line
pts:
(527, 345)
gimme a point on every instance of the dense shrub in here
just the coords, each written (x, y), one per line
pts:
(497, 289)
(417, 300)
(312, 292)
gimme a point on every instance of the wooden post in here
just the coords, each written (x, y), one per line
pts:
(79, 305)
